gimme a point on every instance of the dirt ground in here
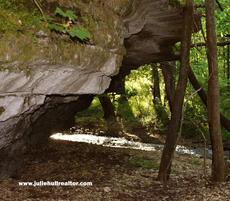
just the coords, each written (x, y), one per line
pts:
(116, 175)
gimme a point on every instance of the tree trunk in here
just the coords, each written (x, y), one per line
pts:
(174, 124)
(196, 85)
(158, 106)
(107, 105)
(168, 72)
(213, 95)
(156, 84)
(113, 127)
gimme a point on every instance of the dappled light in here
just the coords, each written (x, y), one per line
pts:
(124, 143)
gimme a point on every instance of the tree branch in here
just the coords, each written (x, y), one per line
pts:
(203, 96)
(219, 5)
(203, 44)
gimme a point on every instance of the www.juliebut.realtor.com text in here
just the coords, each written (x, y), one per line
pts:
(55, 183)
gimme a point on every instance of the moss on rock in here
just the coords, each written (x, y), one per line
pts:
(21, 45)
(16, 17)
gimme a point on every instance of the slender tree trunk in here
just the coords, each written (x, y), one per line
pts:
(174, 124)
(113, 127)
(168, 72)
(213, 95)
(156, 84)
(158, 106)
(107, 105)
(202, 94)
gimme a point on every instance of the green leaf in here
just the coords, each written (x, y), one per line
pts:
(57, 27)
(68, 14)
(60, 12)
(79, 32)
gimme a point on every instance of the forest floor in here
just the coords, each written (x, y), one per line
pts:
(116, 174)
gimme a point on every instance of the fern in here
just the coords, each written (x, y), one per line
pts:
(68, 14)
(69, 26)
(57, 27)
(79, 32)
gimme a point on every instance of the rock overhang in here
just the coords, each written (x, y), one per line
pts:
(152, 29)
(38, 63)
(44, 77)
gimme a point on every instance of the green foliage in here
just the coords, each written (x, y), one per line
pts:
(196, 112)
(138, 106)
(68, 14)
(195, 121)
(91, 117)
(195, 161)
(223, 18)
(79, 32)
(95, 110)
(124, 110)
(12, 4)
(138, 88)
(68, 25)
(225, 134)
(57, 27)
(144, 163)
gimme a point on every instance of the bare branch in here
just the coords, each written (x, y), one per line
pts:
(219, 5)
(203, 44)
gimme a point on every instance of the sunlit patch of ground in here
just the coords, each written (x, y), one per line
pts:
(124, 143)
(116, 174)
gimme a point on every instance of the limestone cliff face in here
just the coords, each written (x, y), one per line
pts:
(46, 78)
(39, 63)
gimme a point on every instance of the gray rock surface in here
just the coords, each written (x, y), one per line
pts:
(45, 79)
(152, 28)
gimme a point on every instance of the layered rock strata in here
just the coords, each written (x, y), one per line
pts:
(46, 78)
